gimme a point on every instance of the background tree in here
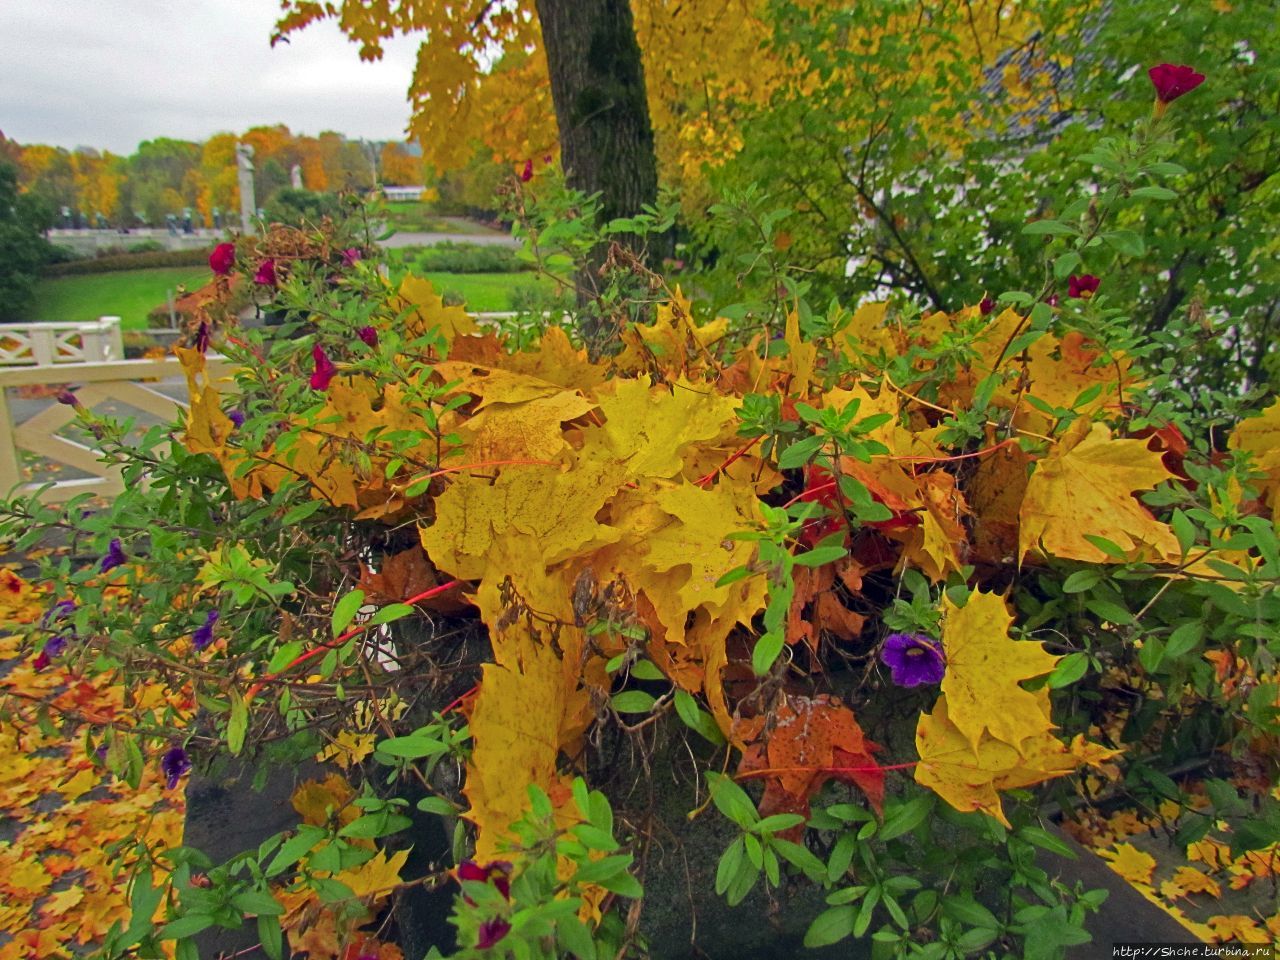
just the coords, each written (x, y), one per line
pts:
(23, 249)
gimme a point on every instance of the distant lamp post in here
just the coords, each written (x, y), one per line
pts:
(217, 218)
(244, 167)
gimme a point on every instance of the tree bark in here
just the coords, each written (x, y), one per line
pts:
(597, 86)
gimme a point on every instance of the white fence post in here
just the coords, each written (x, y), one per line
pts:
(115, 342)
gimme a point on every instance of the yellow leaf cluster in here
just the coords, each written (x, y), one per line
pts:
(985, 733)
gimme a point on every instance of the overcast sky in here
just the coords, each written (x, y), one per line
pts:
(111, 73)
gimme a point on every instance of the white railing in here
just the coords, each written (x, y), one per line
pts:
(122, 383)
(46, 344)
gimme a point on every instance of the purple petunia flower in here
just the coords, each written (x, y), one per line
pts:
(202, 337)
(491, 931)
(913, 659)
(237, 417)
(61, 609)
(369, 336)
(173, 765)
(204, 633)
(351, 255)
(68, 398)
(114, 558)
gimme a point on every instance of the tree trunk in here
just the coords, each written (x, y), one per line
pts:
(597, 86)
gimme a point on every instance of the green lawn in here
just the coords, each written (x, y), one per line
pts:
(131, 294)
(128, 294)
(489, 292)
(414, 217)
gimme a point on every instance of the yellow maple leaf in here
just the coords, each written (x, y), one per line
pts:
(318, 800)
(1085, 487)
(1227, 927)
(984, 669)
(1260, 436)
(429, 312)
(1134, 865)
(522, 431)
(969, 778)
(648, 428)
(1191, 880)
(348, 748)
(376, 877)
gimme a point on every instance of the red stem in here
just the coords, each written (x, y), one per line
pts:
(338, 641)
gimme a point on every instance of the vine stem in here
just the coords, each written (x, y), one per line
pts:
(337, 642)
(773, 771)
(739, 453)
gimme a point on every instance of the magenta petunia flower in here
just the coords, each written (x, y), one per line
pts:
(203, 635)
(222, 259)
(266, 274)
(913, 659)
(68, 398)
(491, 931)
(986, 306)
(202, 336)
(527, 173)
(1083, 286)
(324, 371)
(1172, 81)
(350, 256)
(173, 764)
(114, 557)
(369, 336)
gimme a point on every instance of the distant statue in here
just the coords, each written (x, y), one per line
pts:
(244, 164)
(295, 177)
(217, 219)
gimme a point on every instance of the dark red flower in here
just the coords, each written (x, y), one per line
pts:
(986, 306)
(324, 371)
(222, 259)
(527, 173)
(369, 336)
(1085, 285)
(1051, 300)
(67, 397)
(1172, 81)
(266, 274)
(202, 336)
(497, 872)
(491, 931)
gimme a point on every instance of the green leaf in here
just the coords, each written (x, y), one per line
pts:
(573, 935)
(413, 747)
(270, 936)
(969, 912)
(284, 656)
(633, 701)
(905, 817)
(800, 452)
(1184, 639)
(1184, 530)
(731, 800)
(646, 670)
(257, 902)
(237, 724)
(187, 926)
(1154, 193)
(292, 850)
(437, 805)
(1066, 263)
(1069, 669)
(697, 719)
(830, 926)
(1126, 242)
(820, 556)
(766, 652)
(345, 610)
(392, 611)
(1082, 580)
(1048, 228)
(730, 861)
(1047, 841)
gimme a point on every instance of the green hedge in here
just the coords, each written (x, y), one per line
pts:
(466, 258)
(129, 261)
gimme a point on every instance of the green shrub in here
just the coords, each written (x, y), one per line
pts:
(468, 258)
(129, 261)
